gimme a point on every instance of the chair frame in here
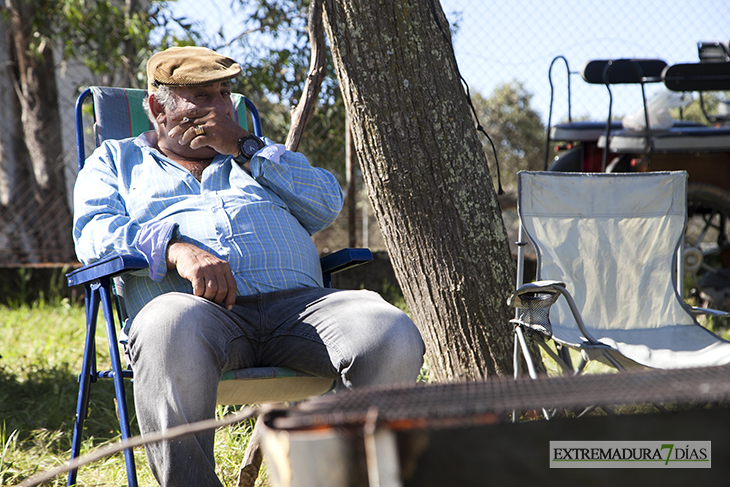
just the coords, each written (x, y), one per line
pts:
(97, 279)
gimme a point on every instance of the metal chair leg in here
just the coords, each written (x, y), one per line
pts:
(118, 378)
(520, 337)
(86, 376)
(100, 294)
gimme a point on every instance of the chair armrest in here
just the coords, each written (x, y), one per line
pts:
(107, 267)
(116, 264)
(552, 287)
(341, 260)
(535, 287)
(344, 259)
(695, 310)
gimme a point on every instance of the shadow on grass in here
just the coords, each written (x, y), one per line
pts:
(45, 399)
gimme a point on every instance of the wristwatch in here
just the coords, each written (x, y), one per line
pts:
(248, 146)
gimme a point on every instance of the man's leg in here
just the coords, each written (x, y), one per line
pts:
(356, 334)
(179, 345)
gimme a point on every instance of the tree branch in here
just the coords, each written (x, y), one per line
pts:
(239, 36)
(305, 107)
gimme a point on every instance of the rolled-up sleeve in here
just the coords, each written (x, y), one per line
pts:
(152, 241)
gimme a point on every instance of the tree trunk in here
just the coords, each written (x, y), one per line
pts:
(35, 217)
(427, 178)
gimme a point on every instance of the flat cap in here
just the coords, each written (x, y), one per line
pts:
(189, 66)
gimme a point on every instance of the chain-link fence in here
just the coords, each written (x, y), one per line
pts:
(503, 40)
(499, 41)
(496, 42)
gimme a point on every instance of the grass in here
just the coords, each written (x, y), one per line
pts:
(40, 357)
(596, 367)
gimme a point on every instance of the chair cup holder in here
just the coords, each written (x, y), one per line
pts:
(535, 312)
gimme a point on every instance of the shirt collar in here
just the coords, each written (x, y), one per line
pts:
(147, 139)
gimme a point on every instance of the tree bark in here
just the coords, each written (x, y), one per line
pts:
(427, 179)
(35, 215)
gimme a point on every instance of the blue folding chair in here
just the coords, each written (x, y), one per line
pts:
(118, 114)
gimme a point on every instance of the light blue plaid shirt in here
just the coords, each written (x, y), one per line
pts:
(131, 199)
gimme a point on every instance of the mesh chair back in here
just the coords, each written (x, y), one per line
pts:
(118, 113)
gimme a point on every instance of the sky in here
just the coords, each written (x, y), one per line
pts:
(498, 41)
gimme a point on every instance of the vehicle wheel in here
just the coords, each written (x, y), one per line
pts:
(707, 248)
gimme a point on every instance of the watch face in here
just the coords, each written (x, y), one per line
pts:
(250, 146)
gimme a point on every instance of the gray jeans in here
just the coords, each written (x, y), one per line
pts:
(181, 344)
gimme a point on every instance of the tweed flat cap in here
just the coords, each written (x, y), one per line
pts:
(189, 66)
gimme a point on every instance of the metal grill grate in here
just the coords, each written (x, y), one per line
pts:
(454, 401)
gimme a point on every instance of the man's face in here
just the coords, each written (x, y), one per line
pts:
(207, 106)
(190, 99)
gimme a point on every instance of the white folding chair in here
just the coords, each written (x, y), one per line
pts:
(609, 269)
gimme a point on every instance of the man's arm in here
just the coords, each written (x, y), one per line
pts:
(102, 225)
(312, 194)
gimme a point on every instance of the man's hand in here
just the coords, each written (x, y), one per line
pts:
(219, 131)
(210, 276)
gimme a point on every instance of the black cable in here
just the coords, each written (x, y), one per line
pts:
(500, 191)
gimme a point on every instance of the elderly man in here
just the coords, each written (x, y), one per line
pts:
(224, 220)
